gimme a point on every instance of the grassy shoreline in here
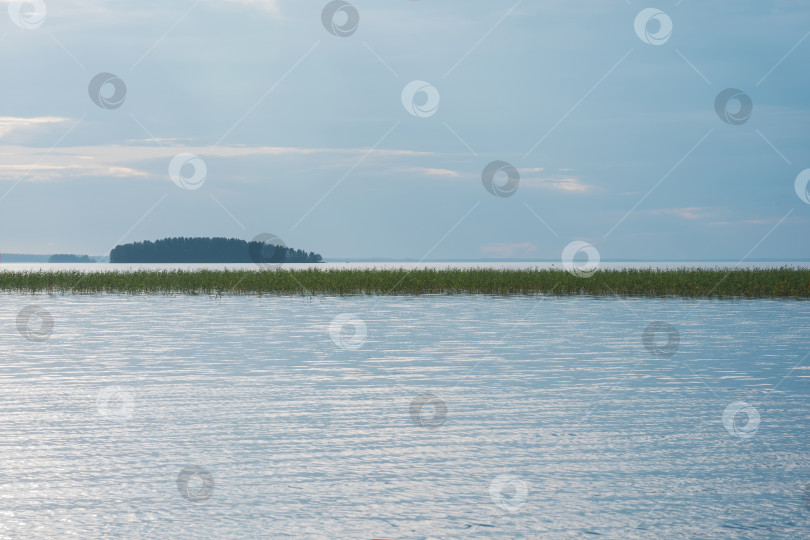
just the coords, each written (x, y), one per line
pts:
(787, 283)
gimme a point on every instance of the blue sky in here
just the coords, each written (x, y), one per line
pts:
(304, 133)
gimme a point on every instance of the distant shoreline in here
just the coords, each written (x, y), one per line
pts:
(104, 259)
(782, 283)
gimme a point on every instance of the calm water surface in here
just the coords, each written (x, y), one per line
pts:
(559, 421)
(106, 267)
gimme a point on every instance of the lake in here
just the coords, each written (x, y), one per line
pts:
(402, 417)
(106, 267)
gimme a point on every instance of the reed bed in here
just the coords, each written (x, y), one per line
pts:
(689, 283)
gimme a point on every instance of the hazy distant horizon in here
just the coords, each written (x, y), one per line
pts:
(37, 256)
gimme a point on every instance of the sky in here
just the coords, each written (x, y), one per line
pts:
(416, 129)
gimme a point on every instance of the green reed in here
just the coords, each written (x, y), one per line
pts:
(692, 283)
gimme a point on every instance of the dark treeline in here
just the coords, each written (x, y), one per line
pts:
(68, 258)
(209, 250)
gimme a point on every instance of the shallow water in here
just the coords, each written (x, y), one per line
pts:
(559, 420)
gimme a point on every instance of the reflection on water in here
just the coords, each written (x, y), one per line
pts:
(451, 417)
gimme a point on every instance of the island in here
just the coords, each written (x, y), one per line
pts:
(67, 258)
(211, 250)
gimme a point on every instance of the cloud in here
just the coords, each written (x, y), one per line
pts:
(266, 5)
(48, 172)
(9, 124)
(502, 250)
(570, 185)
(760, 221)
(123, 161)
(765, 221)
(443, 173)
(527, 180)
(692, 212)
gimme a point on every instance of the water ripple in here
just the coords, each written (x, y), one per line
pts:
(580, 426)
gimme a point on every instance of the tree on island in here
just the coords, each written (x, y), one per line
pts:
(209, 250)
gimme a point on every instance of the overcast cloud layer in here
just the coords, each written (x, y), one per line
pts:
(304, 134)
